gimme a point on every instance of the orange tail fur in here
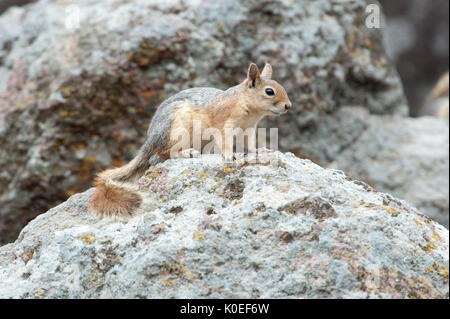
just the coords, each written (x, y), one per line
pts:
(116, 193)
(113, 200)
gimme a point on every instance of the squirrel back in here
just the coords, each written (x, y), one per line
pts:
(117, 192)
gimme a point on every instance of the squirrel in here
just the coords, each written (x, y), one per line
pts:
(241, 106)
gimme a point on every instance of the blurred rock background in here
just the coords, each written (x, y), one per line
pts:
(79, 84)
(417, 35)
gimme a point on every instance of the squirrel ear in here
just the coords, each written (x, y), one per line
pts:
(267, 71)
(253, 75)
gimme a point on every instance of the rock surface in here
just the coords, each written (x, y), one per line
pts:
(79, 84)
(405, 157)
(271, 229)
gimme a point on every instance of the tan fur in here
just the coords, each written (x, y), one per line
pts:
(184, 116)
(441, 88)
(442, 111)
(112, 200)
(440, 94)
(117, 194)
(437, 102)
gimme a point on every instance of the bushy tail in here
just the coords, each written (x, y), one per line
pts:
(116, 191)
(111, 199)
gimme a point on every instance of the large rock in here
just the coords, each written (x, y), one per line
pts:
(283, 228)
(406, 157)
(79, 84)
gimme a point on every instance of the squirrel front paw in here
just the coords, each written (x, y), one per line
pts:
(229, 157)
(189, 153)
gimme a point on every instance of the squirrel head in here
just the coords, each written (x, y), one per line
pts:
(263, 94)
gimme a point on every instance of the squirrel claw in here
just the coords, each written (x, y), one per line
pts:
(190, 152)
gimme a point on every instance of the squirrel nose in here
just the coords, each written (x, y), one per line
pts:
(287, 106)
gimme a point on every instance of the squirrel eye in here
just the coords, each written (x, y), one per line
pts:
(269, 92)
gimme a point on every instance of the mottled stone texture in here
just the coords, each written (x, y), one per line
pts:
(406, 157)
(277, 228)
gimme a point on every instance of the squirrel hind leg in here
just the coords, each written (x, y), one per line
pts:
(111, 200)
